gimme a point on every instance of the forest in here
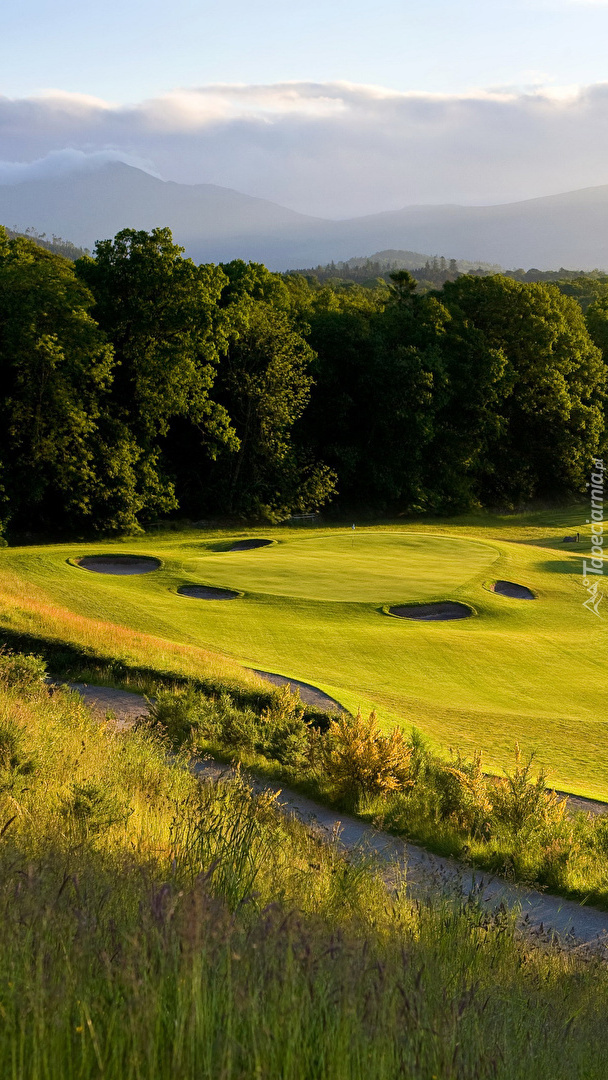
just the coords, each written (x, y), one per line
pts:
(136, 385)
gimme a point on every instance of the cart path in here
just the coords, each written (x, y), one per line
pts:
(426, 873)
(310, 695)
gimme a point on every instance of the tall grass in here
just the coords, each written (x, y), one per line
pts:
(154, 928)
(514, 825)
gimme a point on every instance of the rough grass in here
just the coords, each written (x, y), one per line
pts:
(526, 671)
(514, 826)
(155, 929)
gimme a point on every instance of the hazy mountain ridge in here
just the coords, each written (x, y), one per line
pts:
(217, 224)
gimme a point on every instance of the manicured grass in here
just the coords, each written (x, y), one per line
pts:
(312, 608)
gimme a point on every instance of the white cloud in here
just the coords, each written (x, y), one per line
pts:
(332, 149)
(59, 163)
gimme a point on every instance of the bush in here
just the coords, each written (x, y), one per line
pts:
(518, 801)
(186, 718)
(600, 833)
(14, 759)
(90, 809)
(360, 761)
(471, 809)
(235, 728)
(284, 733)
(181, 715)
(23, 672)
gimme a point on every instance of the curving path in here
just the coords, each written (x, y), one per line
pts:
(426, 873)
(310, 695)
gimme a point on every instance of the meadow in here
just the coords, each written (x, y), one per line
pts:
(313, 606)
(155, 927)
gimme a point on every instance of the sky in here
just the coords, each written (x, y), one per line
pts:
(332, 107)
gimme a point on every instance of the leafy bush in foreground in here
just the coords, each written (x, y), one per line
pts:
(359, 760)
(185, 716)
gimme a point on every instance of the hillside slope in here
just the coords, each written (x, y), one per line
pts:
(218, 224)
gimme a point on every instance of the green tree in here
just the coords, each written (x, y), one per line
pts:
(161, 312)
(379, 375)
(549, 408)
(264, 384)
(62, 466)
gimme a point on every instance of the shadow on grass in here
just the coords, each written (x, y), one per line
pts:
(75, 663)
(552, 566)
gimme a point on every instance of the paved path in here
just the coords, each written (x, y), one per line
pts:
(126, 707)
(310, 695)
(426, 873)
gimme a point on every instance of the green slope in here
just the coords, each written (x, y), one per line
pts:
(312, 608)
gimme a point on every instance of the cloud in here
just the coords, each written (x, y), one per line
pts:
(332, 149)
(59, 163)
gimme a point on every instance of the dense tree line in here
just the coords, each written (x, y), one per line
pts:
(136, 384)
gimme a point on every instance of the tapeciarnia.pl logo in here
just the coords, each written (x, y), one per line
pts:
(595, 566)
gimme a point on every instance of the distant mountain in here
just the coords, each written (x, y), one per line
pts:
(570, 229)
(216, 224)
(212, 222)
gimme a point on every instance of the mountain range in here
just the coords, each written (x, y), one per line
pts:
(216, 224)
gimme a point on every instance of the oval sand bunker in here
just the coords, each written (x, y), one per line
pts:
(120, 564)
(441, 612)
(249, 545)
(510, 588)
(206, 592)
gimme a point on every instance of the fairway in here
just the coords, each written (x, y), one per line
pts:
(313, 606)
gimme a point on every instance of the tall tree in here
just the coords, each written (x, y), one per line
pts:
(63, 466)
(553, 385)
(161, 312)
(264, 383)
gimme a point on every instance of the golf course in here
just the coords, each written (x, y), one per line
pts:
(315, 605)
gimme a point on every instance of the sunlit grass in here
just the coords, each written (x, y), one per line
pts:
(526, 671)
(153, 928)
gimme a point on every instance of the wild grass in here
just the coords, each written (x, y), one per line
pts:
(514, 825)
(156, 928)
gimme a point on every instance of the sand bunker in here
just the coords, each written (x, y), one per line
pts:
(441, 612)
(206, 592)
(510, 588)
(120, 564)
(248, 545)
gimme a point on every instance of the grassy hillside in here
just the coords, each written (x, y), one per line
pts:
(312, 608)
(156, 928)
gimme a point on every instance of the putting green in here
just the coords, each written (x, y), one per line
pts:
(362, 567)
(311, 608)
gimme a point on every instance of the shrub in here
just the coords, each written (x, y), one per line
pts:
(472, 808)
(90, 809)
(284, 733)
(600, 833)
(20, 671)
(421, 758)
(182, 714)
(14, 759)
(361, 761)
(518, 801)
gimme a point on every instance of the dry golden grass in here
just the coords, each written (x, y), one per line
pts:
(28, 609)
